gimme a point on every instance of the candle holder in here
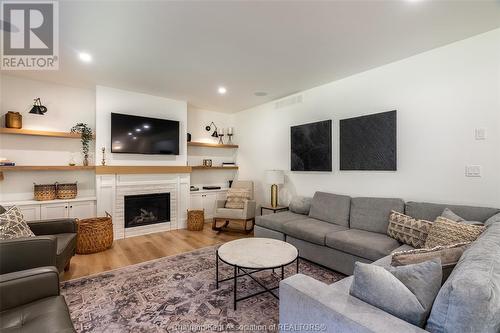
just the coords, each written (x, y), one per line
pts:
(103, 161)
(229, 141)
(220, 139)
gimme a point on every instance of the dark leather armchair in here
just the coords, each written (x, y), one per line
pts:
(54, 245)
(31, 302)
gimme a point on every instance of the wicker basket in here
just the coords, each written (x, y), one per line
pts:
(45, 192)
(94, 235)
(196, 220)
(67, 191)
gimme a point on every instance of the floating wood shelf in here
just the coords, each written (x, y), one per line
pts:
(23, 131)
(201, 167)
(210, 145)
(139, 169)
(17, 168)
(46, 168)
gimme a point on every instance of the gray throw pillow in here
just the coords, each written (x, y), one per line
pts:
(450, 215)
(2, 209)
(406, 292)
(300, 205)
(494, 219)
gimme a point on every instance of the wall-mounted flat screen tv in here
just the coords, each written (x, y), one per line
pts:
(369, 142)
(143, 135)
(311, 146)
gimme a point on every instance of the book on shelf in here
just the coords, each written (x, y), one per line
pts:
(228, 164)
(5, 162)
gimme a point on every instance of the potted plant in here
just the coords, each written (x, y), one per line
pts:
(86, 132)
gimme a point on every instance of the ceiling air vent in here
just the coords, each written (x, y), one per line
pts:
(289, 101)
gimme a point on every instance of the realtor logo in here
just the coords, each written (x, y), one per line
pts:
(30, 36)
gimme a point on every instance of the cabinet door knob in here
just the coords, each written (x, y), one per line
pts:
(70, 206)
(66, 207)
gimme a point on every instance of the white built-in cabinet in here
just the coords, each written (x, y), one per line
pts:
(30, 212)
(80, 208)
(206, 200)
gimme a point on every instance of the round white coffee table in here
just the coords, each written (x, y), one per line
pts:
(252, 255)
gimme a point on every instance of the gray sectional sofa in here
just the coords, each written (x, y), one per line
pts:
(338, 230)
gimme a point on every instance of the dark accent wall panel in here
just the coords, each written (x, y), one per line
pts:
(369, 142)
(311, 146)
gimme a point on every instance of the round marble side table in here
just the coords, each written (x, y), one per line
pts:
(251, 255)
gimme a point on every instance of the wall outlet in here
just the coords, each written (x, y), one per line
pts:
(480, 133)
(473, 171)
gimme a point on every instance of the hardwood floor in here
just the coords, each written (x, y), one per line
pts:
(138, 249)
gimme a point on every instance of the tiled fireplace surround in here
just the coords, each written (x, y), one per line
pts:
(112, 188)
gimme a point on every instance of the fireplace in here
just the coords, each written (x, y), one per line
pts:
(146, 209)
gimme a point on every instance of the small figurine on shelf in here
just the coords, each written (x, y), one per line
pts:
(103, 161)
(221, 136)
(72, 160)
(230, 135)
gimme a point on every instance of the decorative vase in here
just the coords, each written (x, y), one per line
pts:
(85, 160)
(13, 120)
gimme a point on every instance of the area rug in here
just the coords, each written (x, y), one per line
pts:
(177, 294)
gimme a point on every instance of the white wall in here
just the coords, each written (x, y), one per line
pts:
(66, 107)
(197, 120)
(440, 95)
(110, 100)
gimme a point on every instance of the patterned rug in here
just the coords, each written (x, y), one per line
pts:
(177, 294)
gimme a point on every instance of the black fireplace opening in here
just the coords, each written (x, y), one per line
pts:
(147, 209)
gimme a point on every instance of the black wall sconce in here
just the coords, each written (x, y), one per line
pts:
(38, 108)
(208, 128)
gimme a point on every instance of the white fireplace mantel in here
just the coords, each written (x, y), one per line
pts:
(111, 189)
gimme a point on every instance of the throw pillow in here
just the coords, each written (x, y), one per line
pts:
(406, 292)
(447, 232)
(449, 255)
(300, 205)
(2, 209)
(450, 215)
(494, 219)
(12, 225)
(408, 230)
(236, 198)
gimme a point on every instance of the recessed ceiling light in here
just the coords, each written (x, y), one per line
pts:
(146, 126)
(222, 90)
(135, 138)
(260, 93)
(129, 133)
(85, 57)
(137, 130)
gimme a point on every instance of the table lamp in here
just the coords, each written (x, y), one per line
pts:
(275, 177)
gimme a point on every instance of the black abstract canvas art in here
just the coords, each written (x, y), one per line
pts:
(369, 142)
(311, 146)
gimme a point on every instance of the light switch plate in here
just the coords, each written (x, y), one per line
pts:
(480, 133)
(473, 171)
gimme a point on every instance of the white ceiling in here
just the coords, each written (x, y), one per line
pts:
(185, 50)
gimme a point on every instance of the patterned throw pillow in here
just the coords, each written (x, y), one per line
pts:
(408, 230)
(12, 225)
(447, 232)
(449, 254)
(236, 198)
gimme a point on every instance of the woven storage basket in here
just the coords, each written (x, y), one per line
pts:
(196, 220)
(67, 191)
(44, 192)
(94, 235)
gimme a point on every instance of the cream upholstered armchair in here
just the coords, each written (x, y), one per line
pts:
(245, 213)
